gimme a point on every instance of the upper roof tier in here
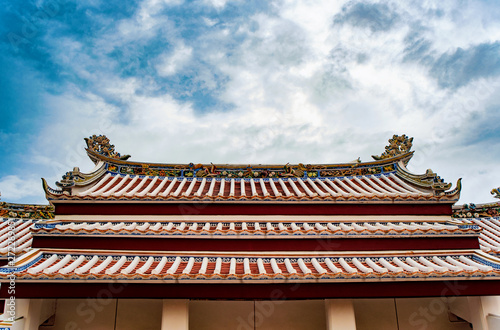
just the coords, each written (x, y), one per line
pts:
(384, 179)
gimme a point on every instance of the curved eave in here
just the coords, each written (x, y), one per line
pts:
(93, 175)
(163, 268)
(349, 189)
(455, 193)
(95, 157)
(51, 193)
(398, 185)
(425, 181)
(86, 179)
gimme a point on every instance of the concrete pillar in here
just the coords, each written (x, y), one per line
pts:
(30, 312)
(175, 314)
(340, 314)
(34, 314)
(483, 312)
(477, 317)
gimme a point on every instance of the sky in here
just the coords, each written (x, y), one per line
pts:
(234, 81)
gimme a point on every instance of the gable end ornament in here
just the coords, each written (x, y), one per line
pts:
(100, 144)
(496, 192)
(398, 145)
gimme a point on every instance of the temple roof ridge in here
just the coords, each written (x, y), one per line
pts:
(384, 178)
(99, 148)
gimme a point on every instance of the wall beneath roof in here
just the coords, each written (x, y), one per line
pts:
(215, 315)
(92, 314)
(406, 314)
(261, 315)
(84, 314)
(145, 314)
(293, 315)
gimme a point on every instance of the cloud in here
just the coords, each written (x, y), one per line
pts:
(218, 4)
(417, 47)
(257, 82)
(374, 16)
(27, 189)
(173, 63)
(454, 70)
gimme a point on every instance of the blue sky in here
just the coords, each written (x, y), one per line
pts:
(249, 82)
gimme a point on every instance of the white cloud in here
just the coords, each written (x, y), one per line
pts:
(27, 188)
(218, 4)
(210, 21)
(170, 64)
(301, 89)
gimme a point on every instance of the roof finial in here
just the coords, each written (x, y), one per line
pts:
(100, 144)
(398, 145)
(496, 192)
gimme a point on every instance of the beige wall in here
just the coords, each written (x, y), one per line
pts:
(240, 315)
(99, 314)
(215, 315)
(84, 314)
(145, 314)
(291, 315)
(381, 311)
(135, 314)
(412, 314)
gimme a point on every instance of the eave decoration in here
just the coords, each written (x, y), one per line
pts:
(472, 210)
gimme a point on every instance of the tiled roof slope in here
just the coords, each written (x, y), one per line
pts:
(258, 229)
(15, 236)
(324, 267)
(312, 266)
(16, 223)
(487, 217)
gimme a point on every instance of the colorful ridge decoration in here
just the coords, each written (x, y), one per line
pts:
(384, 179)
(26, 211)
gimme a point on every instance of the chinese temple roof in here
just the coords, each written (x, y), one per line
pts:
(206, 225)
(40, 263)
(384, 180)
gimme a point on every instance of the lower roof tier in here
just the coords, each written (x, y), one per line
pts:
(88, 266)
(256, 229)
(488, 230)
(15, 236)
(256, 236)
